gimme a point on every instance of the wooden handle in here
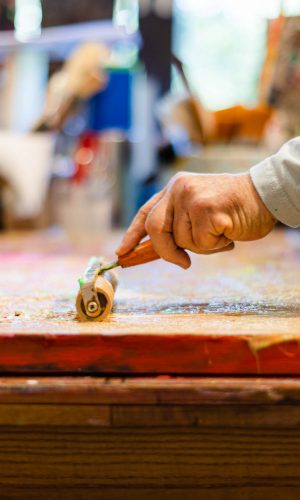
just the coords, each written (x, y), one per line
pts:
(141, 254)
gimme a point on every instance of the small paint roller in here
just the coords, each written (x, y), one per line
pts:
(99, 282)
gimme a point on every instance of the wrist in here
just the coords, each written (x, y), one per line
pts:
(254, 198)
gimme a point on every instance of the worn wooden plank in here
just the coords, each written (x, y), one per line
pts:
(183, 391)
(236, 313)
(247, 417)
(150, 458)
(139, 416)
(242, 492)
(54, 415)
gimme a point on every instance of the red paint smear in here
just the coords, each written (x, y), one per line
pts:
(132, 354)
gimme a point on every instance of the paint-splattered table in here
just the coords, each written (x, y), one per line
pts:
(75, 436)
(231, 313)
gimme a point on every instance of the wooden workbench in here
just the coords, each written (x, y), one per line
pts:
(231, 313)
(149, 438)
(72, 436)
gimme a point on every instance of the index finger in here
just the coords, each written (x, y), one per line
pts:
(136, 230)
(159, 225)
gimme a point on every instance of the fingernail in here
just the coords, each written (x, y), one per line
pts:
(183, 266)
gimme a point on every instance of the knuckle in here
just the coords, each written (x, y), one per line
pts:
(185, 188)
(179, 180)
(222, 223)
(199, 205)
(142, 211)
(202, 204)
(180, 174)
(151, 225)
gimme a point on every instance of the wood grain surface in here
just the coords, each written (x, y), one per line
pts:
(232, 313)
(152, 438)
(202, 462)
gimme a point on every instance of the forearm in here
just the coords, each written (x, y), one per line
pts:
(277, 181)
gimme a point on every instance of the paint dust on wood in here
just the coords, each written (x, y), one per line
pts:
(252, 293)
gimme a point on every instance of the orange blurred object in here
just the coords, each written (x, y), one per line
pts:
(241, 123)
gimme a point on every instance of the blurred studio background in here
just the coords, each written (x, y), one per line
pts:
(102, 101)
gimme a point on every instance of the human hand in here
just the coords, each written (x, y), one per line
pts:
(203, 213)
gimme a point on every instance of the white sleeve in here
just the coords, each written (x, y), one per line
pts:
(277, 181)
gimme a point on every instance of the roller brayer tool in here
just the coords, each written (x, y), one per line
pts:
(99, 281)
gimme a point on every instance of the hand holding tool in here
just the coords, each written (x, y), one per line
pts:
(141, 254)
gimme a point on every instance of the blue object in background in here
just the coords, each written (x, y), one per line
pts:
(145, 191)
(111, 108)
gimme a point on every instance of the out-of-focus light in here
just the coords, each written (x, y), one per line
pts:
(207, 8)
(28, 19)
(126, 15)
(124, 54)
(291, 7)
(163, 8)
(145, 7)
(265, 9)
(63, 166)
(84, 156)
